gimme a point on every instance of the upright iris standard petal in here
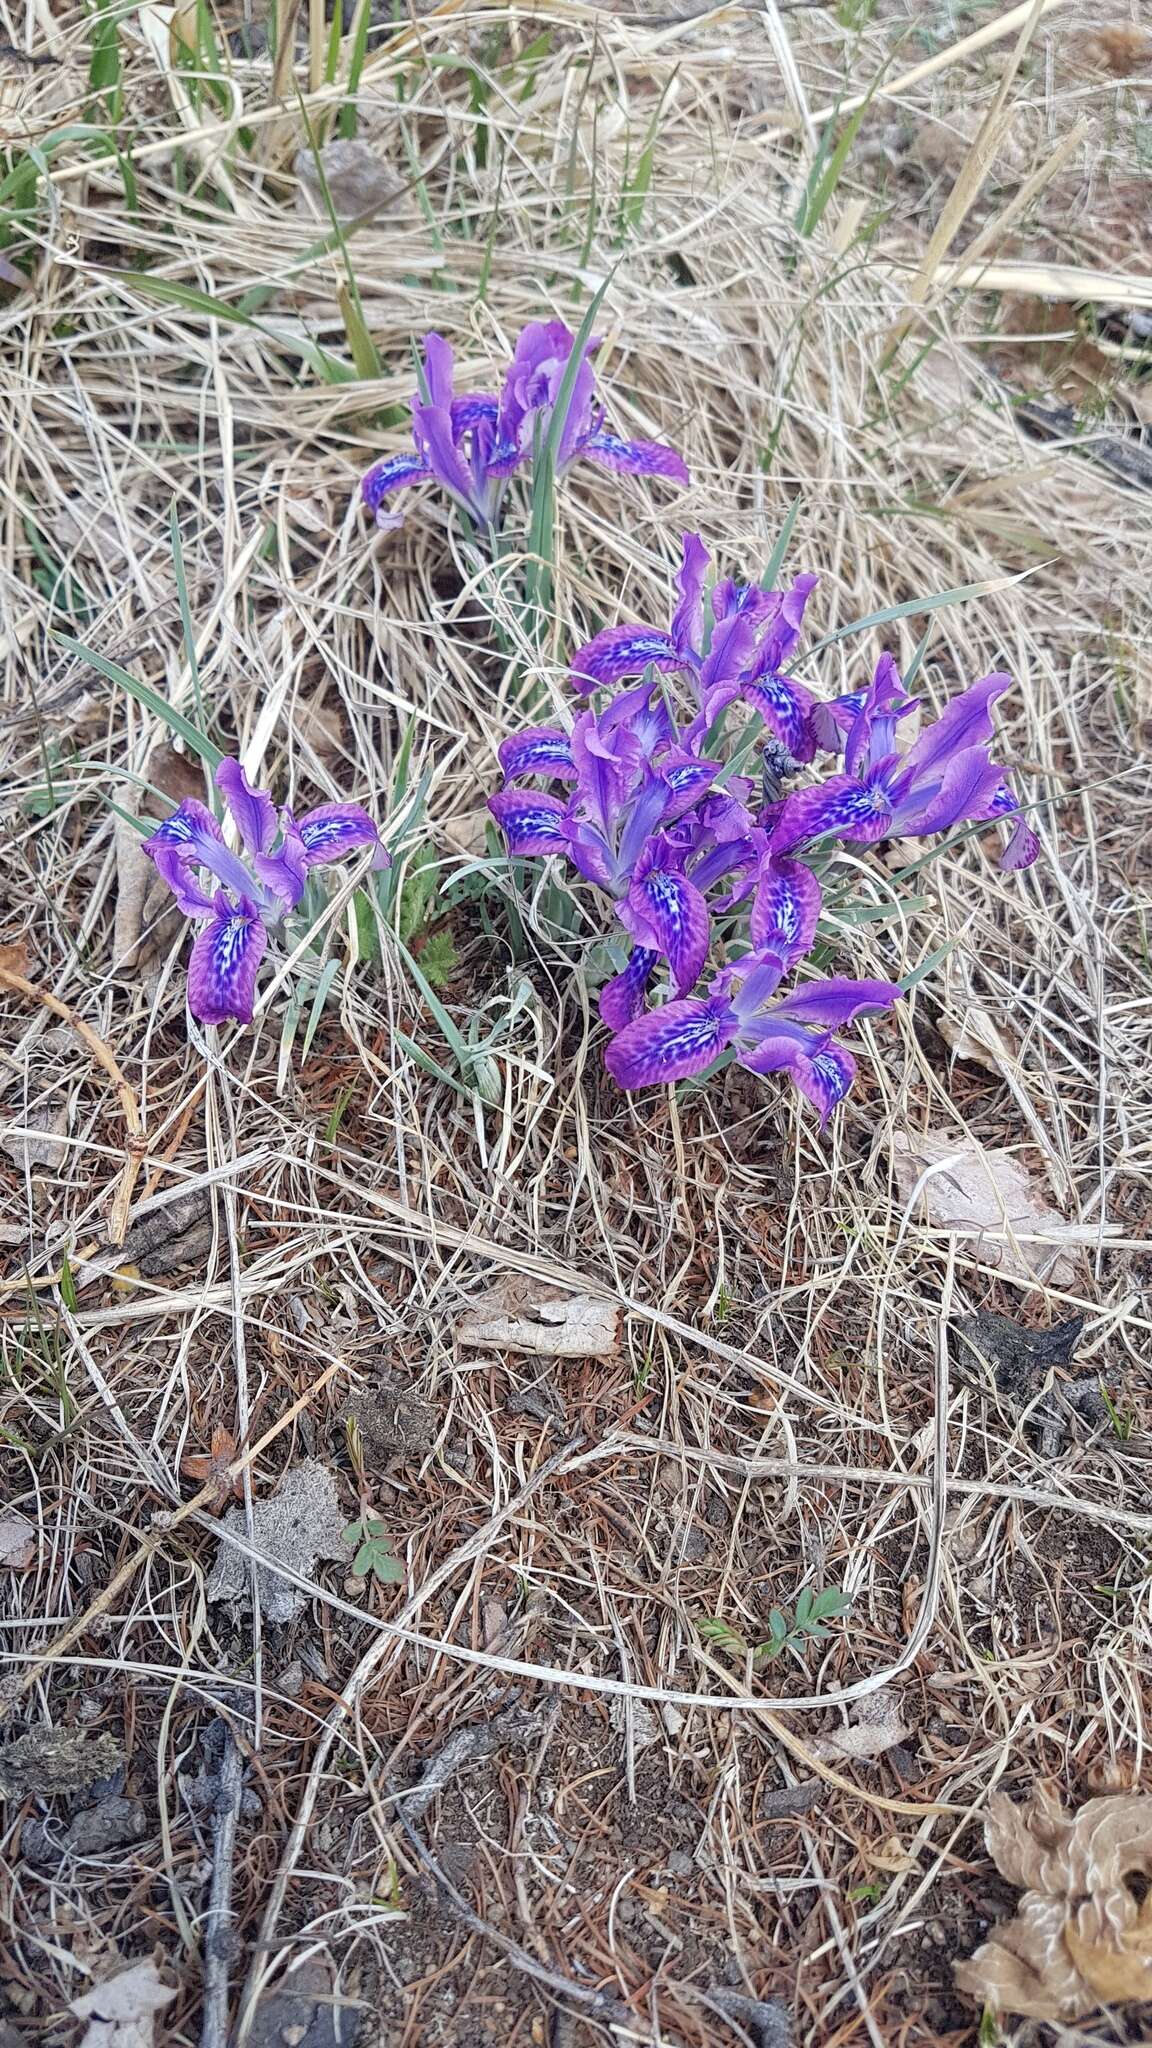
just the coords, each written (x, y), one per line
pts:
(252, 810)
(666, 913)
(832, 720)
(532, 824)
(621, 651)
(333, 831)
(780, 631)
(622, 998)
(785, 909)
(671, 1044)
(285, 872)
(394, 473)
(965, 722)
(634, 458)
(688, 617)
(542, 750)
(871, 737)
(644, 710)
(224, 963)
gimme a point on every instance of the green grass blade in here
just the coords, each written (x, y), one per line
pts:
(349, 117)
(914, 605)
(173, 719)
(329, 368)
(635, 194)
(776, 559)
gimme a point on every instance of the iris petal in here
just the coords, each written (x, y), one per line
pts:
(635, 458)
(670, 1044)
(252, 809)
(667, 913)
(224, 964)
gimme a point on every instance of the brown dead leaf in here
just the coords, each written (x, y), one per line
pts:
(122, 2012)
(140, 893)
(977, 1037)
(879, 1725)
(1120, 49)
(14, 959)
(1079, 1938)
(523, 1315)
(213, 1465)
(17, 1542)
(891, 1856)
(39, 1138)
(989, 1200)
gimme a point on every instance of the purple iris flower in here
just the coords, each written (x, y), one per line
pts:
(793, 1036)
(532, 390)
(614, 829)
(251, 892)
(739, 651)
(473, 444)
(947, 777)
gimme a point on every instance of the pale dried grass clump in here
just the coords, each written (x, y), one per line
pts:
(785, 1408)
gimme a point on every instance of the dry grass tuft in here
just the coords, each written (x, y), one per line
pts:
(657, 1826)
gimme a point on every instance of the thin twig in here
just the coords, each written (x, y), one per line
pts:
(220, 1942)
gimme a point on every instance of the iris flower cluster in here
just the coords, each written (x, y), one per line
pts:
(700, 860)
(646, 793)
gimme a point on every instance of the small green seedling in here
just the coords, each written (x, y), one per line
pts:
(807, 1625)
(374, 1552)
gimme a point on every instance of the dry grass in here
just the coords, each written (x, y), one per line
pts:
(786, 1409)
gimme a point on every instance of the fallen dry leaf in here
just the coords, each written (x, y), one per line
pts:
(523, 1315)
(17, 1542)
(1079, 1938)
(14, 959)
(300, 1524)
(214, 1463)
(879, 1725)
(122, 2012)
(39, 1138)
(987, 1198)
(977, 1037)
(140, 893)
(891, 1856)
(1119, 48)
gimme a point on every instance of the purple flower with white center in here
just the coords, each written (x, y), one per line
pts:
(793, 1036)
(946, 778)
(613, 827)
(471, 445)
(737, 651)
(253, 890)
